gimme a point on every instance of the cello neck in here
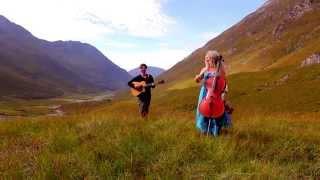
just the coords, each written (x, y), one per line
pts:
(216, 74)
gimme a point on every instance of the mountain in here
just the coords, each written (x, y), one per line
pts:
(35, 68)
(281, 33)
(154, 71)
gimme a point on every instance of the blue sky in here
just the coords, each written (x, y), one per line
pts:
(156, 32)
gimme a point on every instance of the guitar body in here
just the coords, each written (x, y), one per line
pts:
(141, 87)
(137, 91)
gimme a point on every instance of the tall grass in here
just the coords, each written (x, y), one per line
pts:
(110, 141)
(100, 146)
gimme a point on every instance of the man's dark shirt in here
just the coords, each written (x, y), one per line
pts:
(148, 80)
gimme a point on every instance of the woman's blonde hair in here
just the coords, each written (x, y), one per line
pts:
(215, 55)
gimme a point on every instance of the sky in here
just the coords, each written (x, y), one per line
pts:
(130, 32)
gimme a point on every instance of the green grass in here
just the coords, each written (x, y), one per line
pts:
(164, 147)
(272, 137)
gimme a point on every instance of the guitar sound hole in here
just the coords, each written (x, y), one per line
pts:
(139, 89)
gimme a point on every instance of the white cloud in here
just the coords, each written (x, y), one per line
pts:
(88, 20)
(164, 45)
(96, 21)
(164, 58)
(120, 45)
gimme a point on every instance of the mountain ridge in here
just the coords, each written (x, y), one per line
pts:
(53, 68)
(154, 71)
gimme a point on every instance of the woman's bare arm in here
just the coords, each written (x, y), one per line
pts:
(199, 76)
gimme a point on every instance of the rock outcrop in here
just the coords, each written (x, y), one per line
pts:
(313, 59)
(296, 12)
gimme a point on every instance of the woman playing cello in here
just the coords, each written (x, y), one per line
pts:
(211, 115)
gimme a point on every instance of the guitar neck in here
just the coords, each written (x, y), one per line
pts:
(144, 84)
(150, 84)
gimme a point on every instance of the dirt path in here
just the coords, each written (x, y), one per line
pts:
(46, 107)
(96, 98)
(56, 110)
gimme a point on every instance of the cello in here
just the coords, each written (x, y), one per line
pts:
(212, 106)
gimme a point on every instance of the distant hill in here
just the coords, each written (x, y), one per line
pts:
(280, 33)
(154, 71)
(35, 68)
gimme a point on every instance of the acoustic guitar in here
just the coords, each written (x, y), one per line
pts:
(141, 87)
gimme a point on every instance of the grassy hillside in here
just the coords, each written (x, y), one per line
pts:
(280, 33)
(274, 135)
(18, 86)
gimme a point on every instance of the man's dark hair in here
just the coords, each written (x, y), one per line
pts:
(143, 65)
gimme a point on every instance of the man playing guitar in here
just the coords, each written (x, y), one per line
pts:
(143, 83)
